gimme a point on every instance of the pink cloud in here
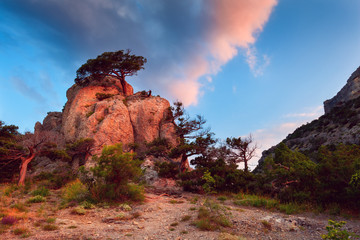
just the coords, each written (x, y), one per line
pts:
(234, 24)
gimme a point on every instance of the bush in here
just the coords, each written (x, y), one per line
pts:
(36, 199)
(75, 191)
(336, 232)
(167, 169)
(112, 173)
(159, 147)
(41, 191)
(211, 217)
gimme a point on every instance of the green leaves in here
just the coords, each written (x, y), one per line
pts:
(118, 64)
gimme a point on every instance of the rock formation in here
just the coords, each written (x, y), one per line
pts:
(350, 91)
(106, 114)
(339, 124)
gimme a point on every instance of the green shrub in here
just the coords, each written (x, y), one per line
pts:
(112, 173)
(208, 186)
(75, 191)
(50, 227)
(20, 231)
(36, 199)
(212, 216)
(19, 206)
(336, 232)
(41, 191)
(78, 211)
(167, 169)
(289, 208)
(159, 147)
(87, 205)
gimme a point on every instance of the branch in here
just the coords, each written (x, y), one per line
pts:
(280, 165)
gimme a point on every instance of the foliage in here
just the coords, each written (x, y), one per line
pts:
(55, 180)
(41, 191)
(75, 191)
(194, 138)
(118, 64)
(208, 186)
(8, 147)
(36, 199)
(50, 227)
(226, 175)
(212, 216)
(167, 169)
(291, 174)
(159, 147)
(112, 173)
(337, 171)
(241, 150)
(80, 210)
(336, 232)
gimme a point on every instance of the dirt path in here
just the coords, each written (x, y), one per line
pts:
(163, 217)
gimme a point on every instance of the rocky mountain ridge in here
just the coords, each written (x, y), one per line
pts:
(339, 124)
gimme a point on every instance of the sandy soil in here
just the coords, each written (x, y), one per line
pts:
(161, 217)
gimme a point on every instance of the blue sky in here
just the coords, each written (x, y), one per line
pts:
(262, 67)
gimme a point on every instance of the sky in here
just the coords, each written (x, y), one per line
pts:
(259, 67)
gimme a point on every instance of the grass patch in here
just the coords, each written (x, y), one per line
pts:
(41, 191)
(36, 199)
(75, 191)
(192, 208)
(290, 208)
(125, 207)
(78, 211)
(50, 220)
(185, 218)
(20, 231)
(194, 200)
(50, 227)
(266, 225)
(222, 198)
(174, 224)
(173, 201)
(212, 216)
(19, 206)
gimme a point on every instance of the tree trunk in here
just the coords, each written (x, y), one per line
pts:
(184, 163)
(24, 165)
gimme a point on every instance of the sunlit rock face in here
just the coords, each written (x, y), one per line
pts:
(350, 91)
(108, 115)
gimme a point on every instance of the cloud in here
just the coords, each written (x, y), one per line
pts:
(315, 112)
(257, 66)
(233, 24)
(26, 90)
(184, 41)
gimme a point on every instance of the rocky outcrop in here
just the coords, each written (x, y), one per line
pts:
(350, 91)
(108, 115)
(339, 124)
